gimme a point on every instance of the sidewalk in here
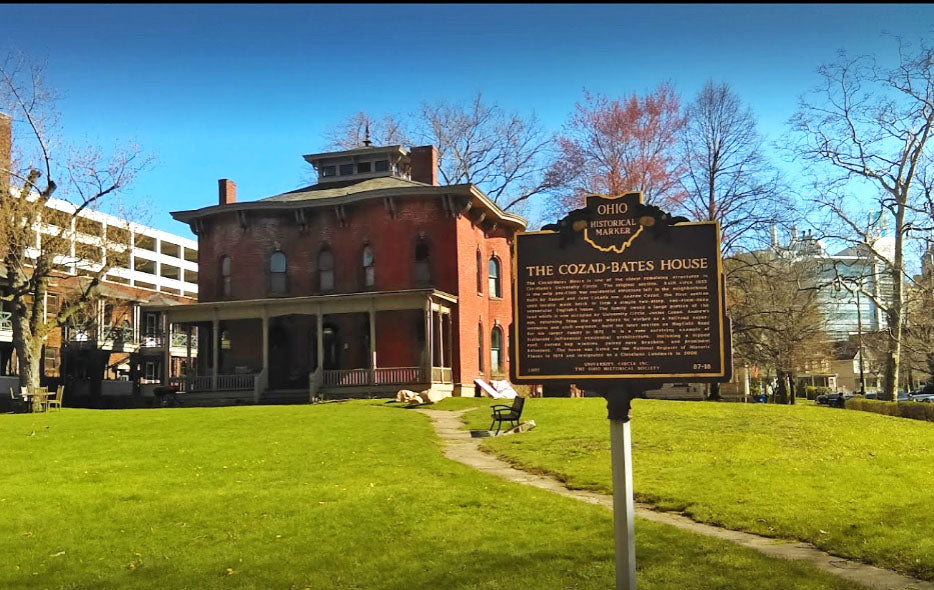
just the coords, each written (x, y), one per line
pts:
(461, 447)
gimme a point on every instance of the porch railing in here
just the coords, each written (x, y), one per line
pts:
(381, 376)
(193, 383)
(119, 334)
(177, 340)
(235, 382)
(442, 375)
(347, 377)
(399, 375)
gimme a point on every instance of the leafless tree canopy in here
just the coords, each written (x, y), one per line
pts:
(865, 134)
(774, 304)
(501, 152)
(362, 127)
(612, 146)
(36, 240)
(726, 176)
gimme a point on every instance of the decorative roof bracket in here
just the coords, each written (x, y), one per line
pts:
(301, 219)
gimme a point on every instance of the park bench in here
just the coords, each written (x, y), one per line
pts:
(509, 414)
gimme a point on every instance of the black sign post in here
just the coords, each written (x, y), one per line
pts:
(620, 297)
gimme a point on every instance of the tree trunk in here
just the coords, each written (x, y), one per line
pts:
(781, 395)
(895, 315)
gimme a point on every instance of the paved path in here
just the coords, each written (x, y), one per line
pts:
(460, 446)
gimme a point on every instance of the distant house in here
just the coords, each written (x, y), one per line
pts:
(372, 280)
(850, 362)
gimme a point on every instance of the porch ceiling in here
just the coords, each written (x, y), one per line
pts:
(309, 305)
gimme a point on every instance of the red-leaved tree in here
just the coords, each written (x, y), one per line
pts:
(612, 146)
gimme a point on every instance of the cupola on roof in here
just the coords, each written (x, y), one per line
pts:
(361, 164)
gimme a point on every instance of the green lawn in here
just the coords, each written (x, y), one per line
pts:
(853, 483)
(352, 495)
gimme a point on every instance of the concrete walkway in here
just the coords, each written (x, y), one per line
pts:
(461, 447)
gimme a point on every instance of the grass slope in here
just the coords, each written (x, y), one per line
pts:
(350, 495)
(853, 483)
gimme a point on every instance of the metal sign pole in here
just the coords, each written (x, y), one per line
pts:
(618, 406)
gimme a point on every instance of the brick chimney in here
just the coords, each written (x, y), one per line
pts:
(226, 192)
(424, 164)
(6, 143)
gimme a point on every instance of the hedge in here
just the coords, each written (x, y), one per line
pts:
(913, 410)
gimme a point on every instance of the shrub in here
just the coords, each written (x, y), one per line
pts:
(912, 410)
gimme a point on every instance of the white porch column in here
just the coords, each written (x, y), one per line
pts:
(266, 341)
(215, 350)
(188, 351)
(429, 343)
(372, 342)
(440, 338)
(320, 347)
(450, 342)
(166, 353)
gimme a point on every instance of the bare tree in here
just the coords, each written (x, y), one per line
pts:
(361, 127)
(727, 178)
(503, 153)
(776, 311)
(613, 146)
(864, 132)
(40, 234)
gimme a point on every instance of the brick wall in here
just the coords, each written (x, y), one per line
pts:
(478, 308)
(453, 244)
(392, 239)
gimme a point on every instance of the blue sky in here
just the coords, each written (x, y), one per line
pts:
(242, 91)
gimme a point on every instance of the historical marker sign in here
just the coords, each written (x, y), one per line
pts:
(618, 293)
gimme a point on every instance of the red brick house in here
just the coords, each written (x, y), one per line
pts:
(373, 280)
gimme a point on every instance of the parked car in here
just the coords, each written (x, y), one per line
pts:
(834, 400)
(921, 397)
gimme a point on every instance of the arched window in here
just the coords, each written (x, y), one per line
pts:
(325, 269)
(479, 272)
(480, 346)
(422, 264)
(495, 286)
(496, 350)
(369, 273)
(277, 273)
(225, 276)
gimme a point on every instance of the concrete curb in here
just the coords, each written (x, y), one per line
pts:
(461, 447)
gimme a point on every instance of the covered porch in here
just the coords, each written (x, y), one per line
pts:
(303, 348)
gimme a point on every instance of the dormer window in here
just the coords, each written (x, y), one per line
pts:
(328, 171)
(346, 169)
(364, 167)
(381, 166)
